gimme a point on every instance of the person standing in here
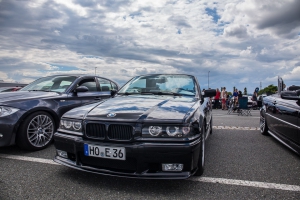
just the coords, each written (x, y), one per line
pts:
(235, 96)
(217, 99)
(254, 99)
(240, 94)
(223, 98)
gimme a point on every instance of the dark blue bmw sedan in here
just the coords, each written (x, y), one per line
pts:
(30, 116)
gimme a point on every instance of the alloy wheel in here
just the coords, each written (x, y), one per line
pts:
(40, 130)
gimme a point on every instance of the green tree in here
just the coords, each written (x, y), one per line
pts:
(245, 91)
(271, 89)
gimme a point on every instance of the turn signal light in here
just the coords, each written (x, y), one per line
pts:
(63, 154)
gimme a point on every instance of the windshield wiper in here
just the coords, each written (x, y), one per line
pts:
(126, 93)
(152, 93)
(145, 93)
(167, 93)
(40, 90)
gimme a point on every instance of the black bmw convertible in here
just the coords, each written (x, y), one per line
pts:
(154, 127)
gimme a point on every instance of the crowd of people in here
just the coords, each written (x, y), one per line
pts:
(227, 100)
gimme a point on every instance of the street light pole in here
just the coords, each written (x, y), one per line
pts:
(208, 79)
(95, 70)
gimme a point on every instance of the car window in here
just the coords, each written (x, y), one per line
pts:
(89, 83)
(65, 84)
(104, 84)
(114, 86)
(52, 83)
(181, 84)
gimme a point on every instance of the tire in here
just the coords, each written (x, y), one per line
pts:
(210, 124)
(36, 132)
(201, 160)
(263, 124)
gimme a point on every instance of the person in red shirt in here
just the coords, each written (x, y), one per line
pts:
(217, 99)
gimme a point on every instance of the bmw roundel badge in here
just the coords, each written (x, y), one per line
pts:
(111, 114)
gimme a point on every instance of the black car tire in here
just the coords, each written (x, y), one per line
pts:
(36, 132)
(263, 124)
(201, 160)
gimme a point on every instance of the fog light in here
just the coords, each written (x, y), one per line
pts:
(1, 135)
(63, 154)
(172, 167)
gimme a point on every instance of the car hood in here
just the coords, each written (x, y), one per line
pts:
(9, 97)
(137, 108)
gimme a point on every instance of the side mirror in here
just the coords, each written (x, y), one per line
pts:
(290, 95)
(113, 92)
(81, 89)
(210, 93)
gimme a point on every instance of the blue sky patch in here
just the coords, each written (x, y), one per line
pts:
(64, 67)
(213, 13)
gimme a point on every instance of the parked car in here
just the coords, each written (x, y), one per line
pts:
(154, 127)
(9, 89)
(279, 117)
(213, 103)
(29, 117)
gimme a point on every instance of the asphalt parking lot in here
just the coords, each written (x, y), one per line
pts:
(240, 164)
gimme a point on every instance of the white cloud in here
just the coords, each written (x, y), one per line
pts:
(122, 39)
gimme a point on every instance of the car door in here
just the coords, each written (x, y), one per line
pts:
(284, 118)
(93, 95)
(288, 118)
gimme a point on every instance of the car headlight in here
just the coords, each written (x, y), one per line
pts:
(4, 111)
(166, 131)
(71, 126)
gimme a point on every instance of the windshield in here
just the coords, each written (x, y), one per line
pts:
(51, 84)
(161, 84)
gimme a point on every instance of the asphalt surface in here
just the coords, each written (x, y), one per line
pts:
(233, 154)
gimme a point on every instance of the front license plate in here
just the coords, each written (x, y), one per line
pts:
(117, 153)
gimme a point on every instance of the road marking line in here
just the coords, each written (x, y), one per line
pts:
(197, 179)
(237, 128)
(31, 159)
(247, 183)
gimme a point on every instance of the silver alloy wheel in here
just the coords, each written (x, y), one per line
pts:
(262, 123)
(40, 130)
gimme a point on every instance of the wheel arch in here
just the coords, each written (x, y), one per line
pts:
(44, 109)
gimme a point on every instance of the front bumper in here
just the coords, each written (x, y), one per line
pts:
(8, 128)
(143, 160)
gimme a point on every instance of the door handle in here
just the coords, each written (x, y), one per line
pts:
(97, 98)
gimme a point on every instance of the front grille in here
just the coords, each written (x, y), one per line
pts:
(115, 131)
(120, 132)
(97, 131)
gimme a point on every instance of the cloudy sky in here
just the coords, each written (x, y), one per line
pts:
(238, 43)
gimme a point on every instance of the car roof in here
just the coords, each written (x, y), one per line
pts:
(77, 75)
